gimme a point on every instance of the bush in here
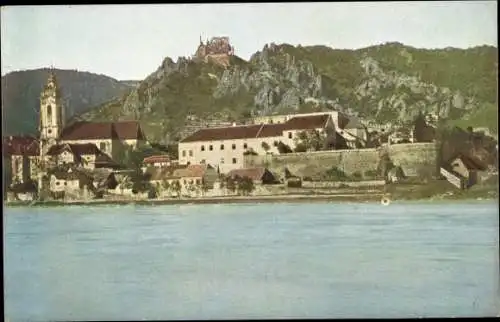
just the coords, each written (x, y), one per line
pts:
(357, 175)
(371, 174)
(283, 148)
(335, 174)
(300, 148)
(294, 183)
(250, 152)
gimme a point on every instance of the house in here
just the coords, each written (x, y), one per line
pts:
(354, 133)
(185, 177)
(469, 168)
(64, 180)
(258, 175)
(157, 161)
(224, 147)
(20, 154)
(86, 155)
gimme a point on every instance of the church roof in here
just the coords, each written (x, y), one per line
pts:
(82, 130)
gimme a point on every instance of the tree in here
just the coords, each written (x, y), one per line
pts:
(283, 148)
(245, 185)
(231, 184)
(310, 140)
(165, 184)
(266, 146)
(176, 186)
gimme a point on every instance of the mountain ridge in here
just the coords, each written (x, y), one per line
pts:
(81, 90)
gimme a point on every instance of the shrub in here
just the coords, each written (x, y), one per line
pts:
(294, 183)
(357, 175)
(250, 152)
(283, 148)
(335, 174)
(371, 174)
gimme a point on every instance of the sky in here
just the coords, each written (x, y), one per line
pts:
(128, 42)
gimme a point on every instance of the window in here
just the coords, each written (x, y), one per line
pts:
(275, 143)
(184, 181)
(234, 146)
(245, 146)
(49, 113)
(198, 181)
(102, 146)
(57, 183)
(49, 131)
(184, 153)
(289, 135)
(202, 148)
(65, 183)
(222, 160)
(203, 161)
(234, 160)
(190, 153)
(211, 147)
(222, 146)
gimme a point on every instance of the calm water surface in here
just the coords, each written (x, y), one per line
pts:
(251, 261)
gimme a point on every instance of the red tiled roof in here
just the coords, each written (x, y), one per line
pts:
(308, 122)
(128, 130)
(471, 162)
(89, 131)
(157, 174)
(253, 173)
(78, 149)
(259, 130)
(270, 130)
(156, 159)
(224, 133)
(103, 130)
(192, 171)
(20, 145)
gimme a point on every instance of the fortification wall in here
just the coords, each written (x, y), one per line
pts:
(411, 157)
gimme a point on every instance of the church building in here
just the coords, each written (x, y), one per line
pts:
(87, 144)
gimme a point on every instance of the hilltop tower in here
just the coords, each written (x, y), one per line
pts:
(51, 112)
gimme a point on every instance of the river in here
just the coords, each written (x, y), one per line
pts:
(231, 261)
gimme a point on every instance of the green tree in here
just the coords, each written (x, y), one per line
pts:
(245, 185)
(283, 148)
(266, 146)
(176, 186)
(165, 185)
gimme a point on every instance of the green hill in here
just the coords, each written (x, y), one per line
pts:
(81, 91)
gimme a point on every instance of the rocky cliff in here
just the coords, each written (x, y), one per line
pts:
(389, 84)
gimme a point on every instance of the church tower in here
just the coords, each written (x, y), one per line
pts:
(51, 112)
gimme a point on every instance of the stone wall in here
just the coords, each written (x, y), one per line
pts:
(411, 157)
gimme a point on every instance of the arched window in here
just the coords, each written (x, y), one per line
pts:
(49, 114)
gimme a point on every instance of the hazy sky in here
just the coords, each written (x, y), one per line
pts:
(130, 41)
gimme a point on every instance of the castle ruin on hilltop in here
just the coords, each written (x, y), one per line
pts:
(218, 48)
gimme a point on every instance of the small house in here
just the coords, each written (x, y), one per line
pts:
(61, 180)
(468, 167)
(157, 161)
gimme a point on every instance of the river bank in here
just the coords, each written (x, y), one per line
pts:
(374, 197)
(434, 191)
